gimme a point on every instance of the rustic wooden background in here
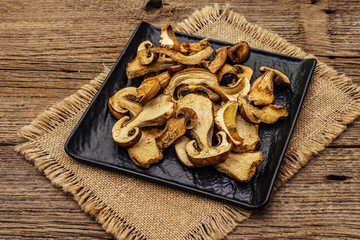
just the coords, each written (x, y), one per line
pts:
(48, 49)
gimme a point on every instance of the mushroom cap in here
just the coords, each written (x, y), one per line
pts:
(240, 52)
(125, 139)
(209, 155)
(121, 103)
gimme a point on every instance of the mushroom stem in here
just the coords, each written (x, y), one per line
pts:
(183, 59)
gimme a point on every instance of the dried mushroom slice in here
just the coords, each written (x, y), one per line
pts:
(262, 89)
(233, 73)
(123, 103)
(154, 113)
(168, 39)
(271, 113)
(241, 88)
(184, 59)
(239, 53)
(225, 120)
(280, 79)
(193, 76)
(144, 45)
(218, 61)
(145, 152)
(227, 70)
(148, 90)
(244, 71)
(208, 155)
(268, 114)
(249, 132)
(136, 69)
(164, 79)
(185, 119)
(247, 111)
(180, 149)
(241, 166)
(200, 151)
(144, 55)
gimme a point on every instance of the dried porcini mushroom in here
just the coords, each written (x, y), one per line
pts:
(227, 70)
(235, 73)
(200, 150)
(268, 114)
(225, 120)
(193, 76)
(147, 57)
(184, 59)
(243, 71)
(144, 45)
(122, 103)
(249, 132)
(271, 113)
(218, 61)
(145, 152)
(180, 149)
(154, 113)
(241, 88)
(279, 79)
(247, 110)
(168, 39)
(239, 53)
(199, 89)
(262, 89)
(241, 166)
(144, 55)
(148, 89)
(185, 119)
(164, 79)
(136, 69)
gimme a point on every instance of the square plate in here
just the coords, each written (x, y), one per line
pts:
(91, 140)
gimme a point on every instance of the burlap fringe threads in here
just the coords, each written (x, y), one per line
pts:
(218, 226)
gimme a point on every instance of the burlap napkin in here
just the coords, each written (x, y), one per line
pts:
(131, 208)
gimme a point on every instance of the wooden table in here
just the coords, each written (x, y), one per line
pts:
(48, 49)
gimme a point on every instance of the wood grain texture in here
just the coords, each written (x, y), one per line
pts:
(48, 49)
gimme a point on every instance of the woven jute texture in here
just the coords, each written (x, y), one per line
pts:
(131, 208)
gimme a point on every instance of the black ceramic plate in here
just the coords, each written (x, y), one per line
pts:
(91, 140)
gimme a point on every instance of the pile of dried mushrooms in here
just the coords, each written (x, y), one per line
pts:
(186, 100)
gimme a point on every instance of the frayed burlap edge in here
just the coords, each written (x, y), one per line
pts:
(297, 158)
(217, 226)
